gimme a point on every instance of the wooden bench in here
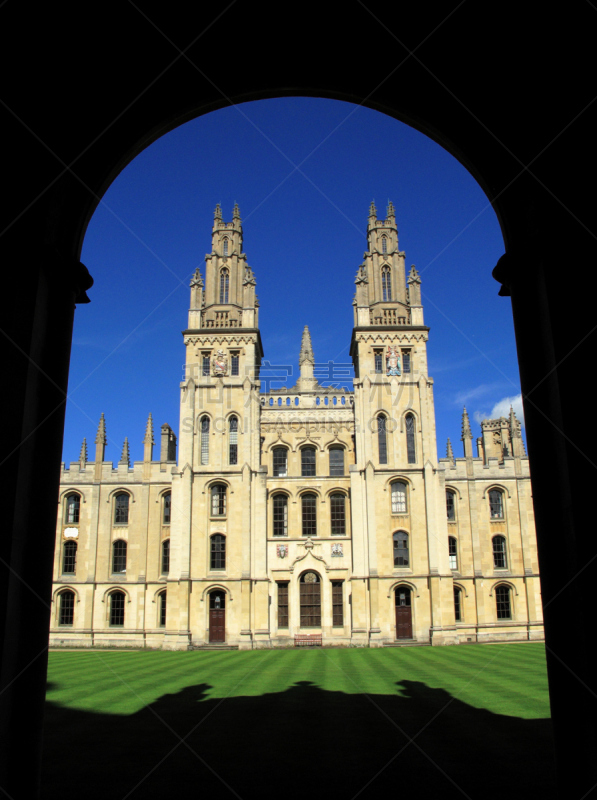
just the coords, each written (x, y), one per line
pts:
(308, 640)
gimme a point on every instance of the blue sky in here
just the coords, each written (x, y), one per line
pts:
(303, 172)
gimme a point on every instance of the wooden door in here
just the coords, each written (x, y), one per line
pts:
(404, 622)
(217, 617)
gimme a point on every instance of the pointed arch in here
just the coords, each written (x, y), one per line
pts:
(224, 285)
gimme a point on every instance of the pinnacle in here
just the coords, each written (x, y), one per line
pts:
(236, 212)
(449, 451)
(372, 209)
(149, 430)
(466, 426)
(101, 431)
(306, 353)
(125, 457)
(218, 212)
(83, 453)
(390, 210)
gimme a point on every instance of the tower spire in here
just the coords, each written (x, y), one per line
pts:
(306, 362)
(83, 454)
(467, 435)
(372, 210)
(390, 210)
(218, 213)
(449, 451)
(306, 347)
(100, 447)
(236, 212)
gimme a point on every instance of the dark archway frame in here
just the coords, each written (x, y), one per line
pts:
(488, 88)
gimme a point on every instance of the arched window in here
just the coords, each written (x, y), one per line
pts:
(233, 441)
(73, 505)
(309, 513)
(450, 505)
(382, 438)
(205, 440)
(308, 462)
(310, 600)
(458, 604)
(399, 498)
(217, 559)
(225, 247)
(121, 509)
(69, 558)
(453, 552)
(218, 500)
(165, 556)
(162, 609)
(336, 461)
(338, 514)
(384, 245)
(280, 455)
(386, 284)
(280, 515)
(499, 552)
(502, 602)
(224, 285)
(496, 504)
(166, 508)
(401, 549)
(410, 439)
(66, 609)
(119, 556)
(117, 601)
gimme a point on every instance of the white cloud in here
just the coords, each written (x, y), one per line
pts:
(462, 398)
(502, 409)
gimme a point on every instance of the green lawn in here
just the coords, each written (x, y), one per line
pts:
(469, 721)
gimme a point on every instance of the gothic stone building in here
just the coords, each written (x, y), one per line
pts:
(308, 511)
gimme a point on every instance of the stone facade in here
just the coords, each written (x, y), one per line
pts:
(302, 511)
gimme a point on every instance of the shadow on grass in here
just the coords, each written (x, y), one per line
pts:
(303, 742)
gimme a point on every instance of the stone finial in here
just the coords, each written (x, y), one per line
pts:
(467, 435)
(83, 453)
(413, 275)
(125, 457)
(390, 210)
(449, 451)
(100, 437)
(306, 353)
(514, 424)
(218, 213)
(236, 212)
(372, 210)
(148, 441)
(196, 280)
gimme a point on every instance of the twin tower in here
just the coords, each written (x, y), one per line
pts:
(305, 515)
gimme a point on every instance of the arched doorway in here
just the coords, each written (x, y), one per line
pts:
(217, 617)
(404, 617)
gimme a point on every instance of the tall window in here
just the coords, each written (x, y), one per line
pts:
(450, 506)
(205, 365)
(280, 515)
(336, 461)
(218, 500)
(308, 462)
(121, 509)
(205, 440)
(310, 600)
(119, 557)
(401, 549)
(337, 604)
(378, 359)
(406, 361)
(166, 508)
(66, 609)
(117, 600)
(225, 247)
(162, 609)
(309, 511)
(224, 285)
(280, 455)
(457, 604)
(69, 558)
(499, 552)
(218, 552)
(410, 438)
(496, 504)
(382, 439)
(384, 245)
(399, 498)
(234, 364)
(502, 602)
(338, 514)
(386, 284)
(73, 505)
(233, 441)
(453, 552)
(283, 604)
(165, 556)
